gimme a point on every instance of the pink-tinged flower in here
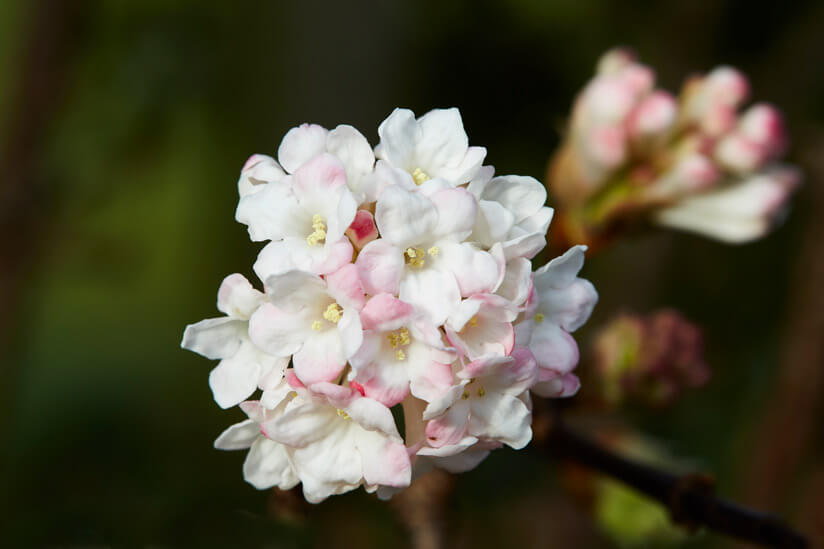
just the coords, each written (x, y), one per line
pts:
(434, 146)
(267, 463)
(363, 230)
(315, 319)
(489, 403)
(257, 172)
(737, 213)
(402, 352)
(561, 303)
(512, 212)
(243, 366)
(337, 440)
(516, 285)
(307, 141)
(421, 256)
(482, 325)
(305, 216)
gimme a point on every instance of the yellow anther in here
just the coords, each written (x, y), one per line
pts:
(400, 355)
(481, 392)
(316, 325)
(318, 235)
(343, 414)
(333, 312)
(539, 317)
(473, 321)
(433, 251)
(399, 339)
(465, 395)
(420, 176)
(415, 257)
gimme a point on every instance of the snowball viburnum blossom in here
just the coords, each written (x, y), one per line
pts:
(399, 276)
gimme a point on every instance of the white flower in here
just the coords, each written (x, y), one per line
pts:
(316, 320)
(561, 303)
(267, 463)
(258, 170)
(488, 403)
(421, 256)
(512, 212)
(401, 352)
(337, 440)
(305, 215)
(243, 366)
(740, 212)
(482, 325)
(435, 146)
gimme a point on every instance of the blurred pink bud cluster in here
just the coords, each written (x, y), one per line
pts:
(649, 358)
(699, 162)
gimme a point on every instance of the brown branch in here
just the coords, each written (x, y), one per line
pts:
(689, 498)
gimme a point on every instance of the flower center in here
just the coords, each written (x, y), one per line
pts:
(480, 392)
(416, 257)
(420, 176)
(398, 340)
(473, 321)
(343, 414)
(332, 314)
(539, 317)
(318, 234)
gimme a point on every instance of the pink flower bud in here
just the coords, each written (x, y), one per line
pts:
(606, 146)
(362, 231)
(726, 85)
(615, 60)
(719, 119)
(696, 172)
(639, 78)
(763, 124)
(739, 154)
(654, 116)
(609, 99)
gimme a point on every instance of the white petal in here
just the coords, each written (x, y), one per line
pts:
(435, 293)
(523, 196)
(501, 417)
(405, 218)
(352, 148)
(301, 144)
(236, 377)
(561, 271)
(237, 298)
(267, 465)
(215, 337)
(272, 213)
(398, 137)
(239, 436)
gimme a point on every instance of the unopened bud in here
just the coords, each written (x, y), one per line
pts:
(362, 231)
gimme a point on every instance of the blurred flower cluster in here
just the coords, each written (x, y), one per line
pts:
(649, 359)
(399, 276)
(636, 154)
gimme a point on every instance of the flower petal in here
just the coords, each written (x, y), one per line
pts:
(300, 144)
(214, 338)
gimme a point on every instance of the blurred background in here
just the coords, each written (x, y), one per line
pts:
(124, 127)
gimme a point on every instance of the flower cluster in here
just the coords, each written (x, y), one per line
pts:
(694, 163)
(398, 279)
(650, 358)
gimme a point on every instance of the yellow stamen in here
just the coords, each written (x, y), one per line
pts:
(539, 317)
(399, 339)
(343, 414)
(333, 313)
(316, 325)
(318, 235)
(415, 257)
(433, 251)
(465, 395)
(473, 321)
(481, 392)
(420, 176)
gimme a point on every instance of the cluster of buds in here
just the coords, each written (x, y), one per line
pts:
(636, 153)
(394, 279)
(649, 359)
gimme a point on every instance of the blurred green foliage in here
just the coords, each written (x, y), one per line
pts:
(110, 424)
